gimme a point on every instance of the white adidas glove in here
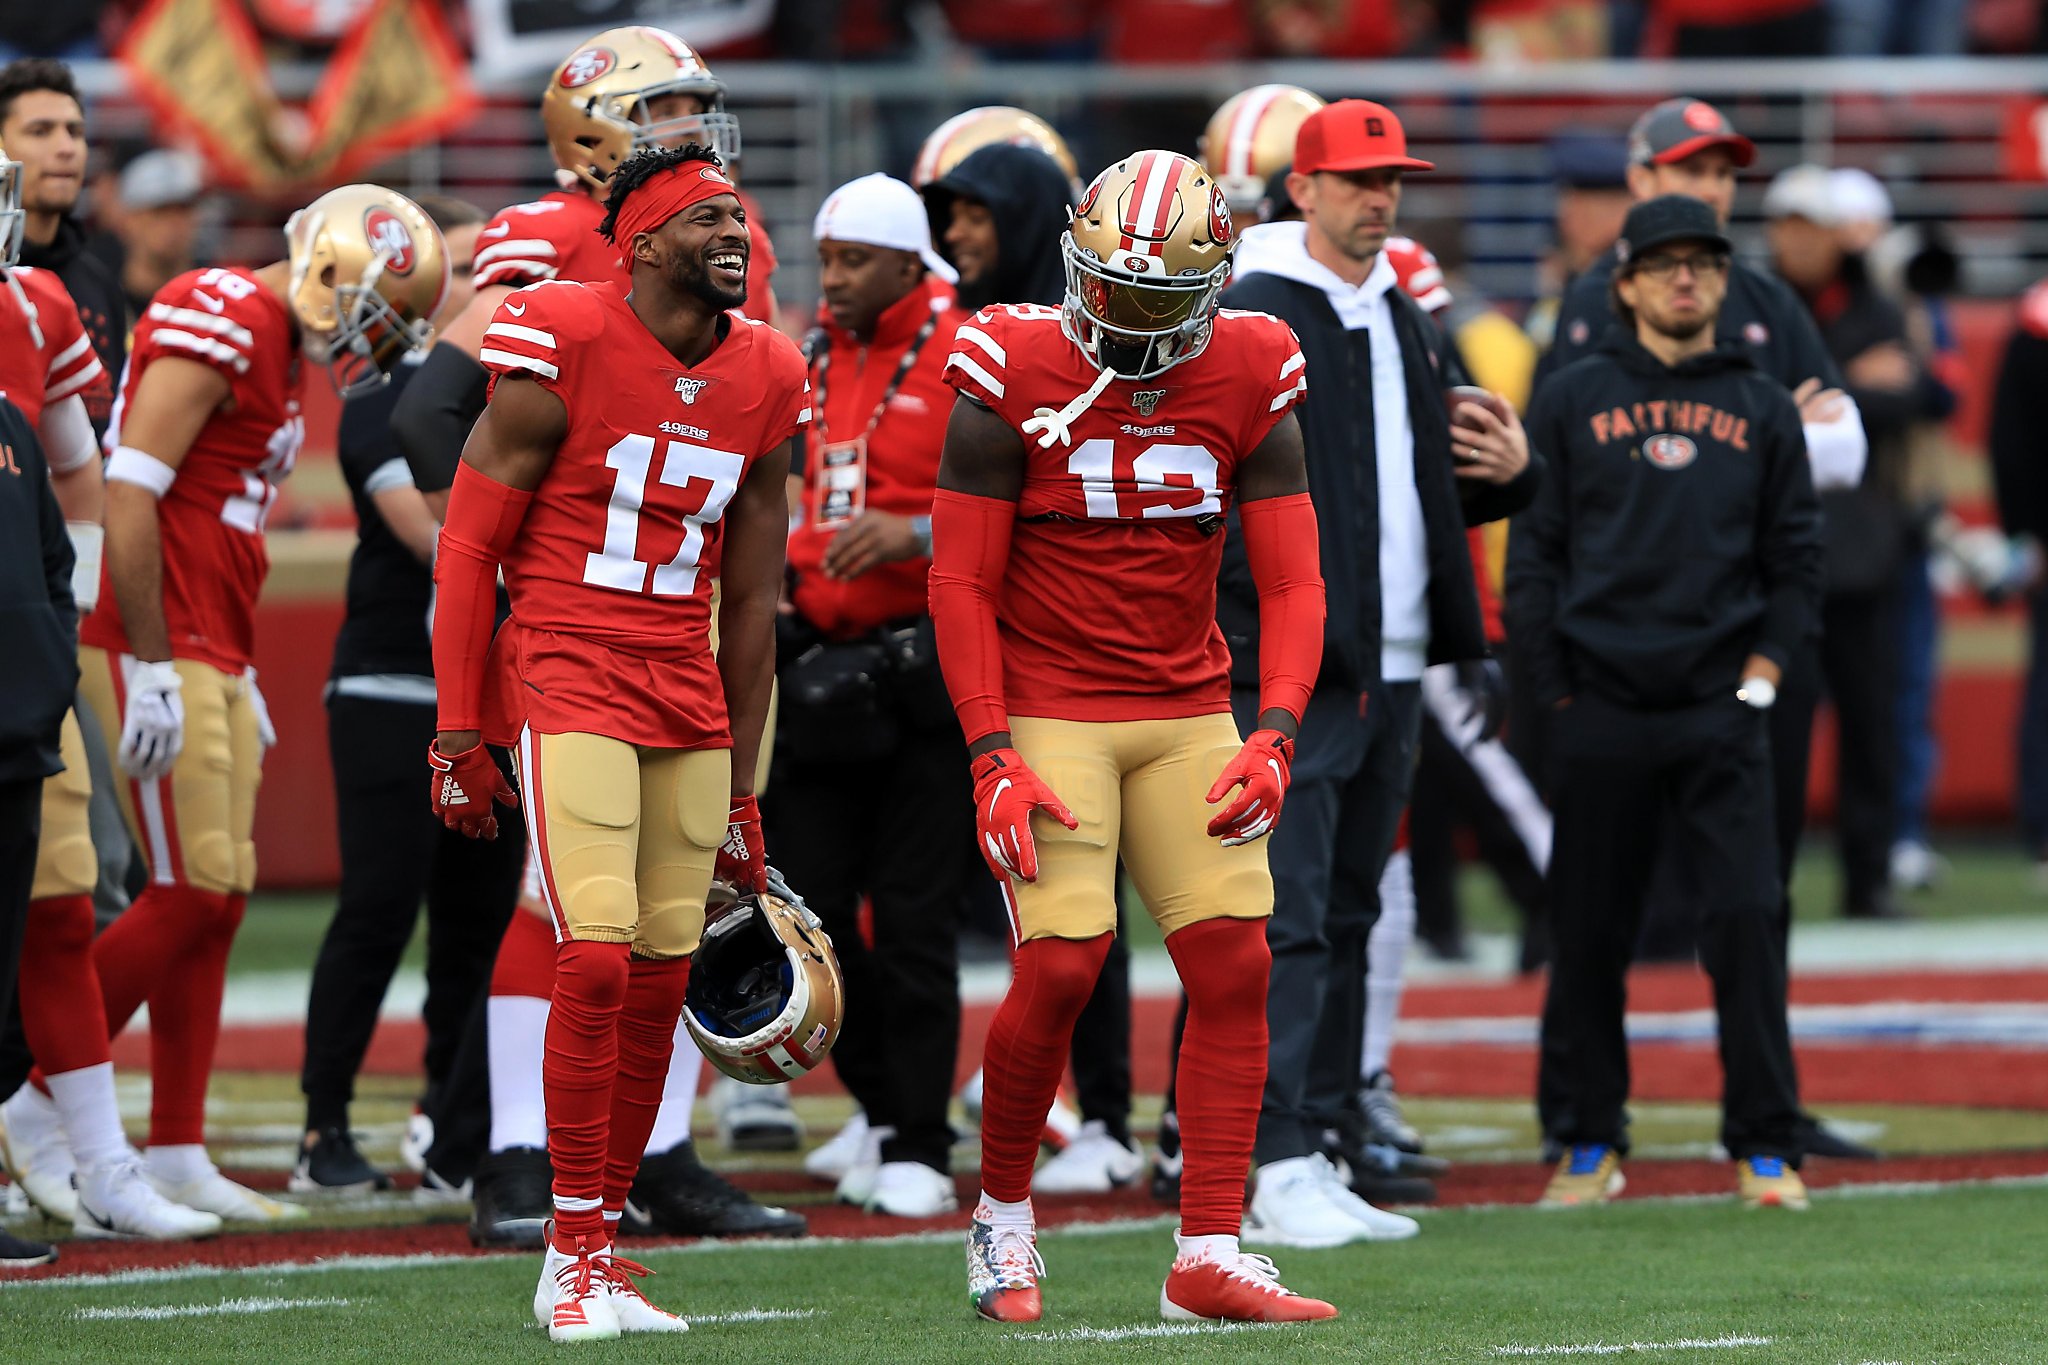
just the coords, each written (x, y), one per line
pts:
(153, 730)
(265, 731)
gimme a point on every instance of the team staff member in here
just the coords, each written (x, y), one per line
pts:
(862, 702)
(1401, 596)
(1668, 572)
(2019, 414)
(380, 712)
(35, 696)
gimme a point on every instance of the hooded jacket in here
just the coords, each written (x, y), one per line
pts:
(1675, 534)
(38, 617)
(1032, 202)
(102, 306)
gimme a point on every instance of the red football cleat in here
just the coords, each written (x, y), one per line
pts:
(1234, 1288)
(1003, 1270)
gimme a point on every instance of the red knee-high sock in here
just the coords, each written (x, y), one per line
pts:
(139, 947)
(1224, 965)
(526, 957)
(647, 1034)
(61, 1014)
(184, 1019)
(582, 1058)
(1027, 1052)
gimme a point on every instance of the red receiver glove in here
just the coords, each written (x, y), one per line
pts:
(1006, 791)
(466, 789)
(1261, 768)
(741, 858)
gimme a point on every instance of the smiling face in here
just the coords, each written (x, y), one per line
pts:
(702, 251)
(971, 240)
(45, 132)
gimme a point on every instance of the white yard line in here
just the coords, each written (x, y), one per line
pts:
(1727, 1343)
(225, 1308)
(1150, 1329)
(754, 1315)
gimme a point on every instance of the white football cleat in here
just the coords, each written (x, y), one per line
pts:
(755, 1118)
(116, 1202)
(574, 1297)
(842, 1152)
(1291, 1207)
(419, 1136)
(37, 1154)
(1093, 1163)
(1380, 1225)
(911, 1189)
(211, 1192)
(634, 1310)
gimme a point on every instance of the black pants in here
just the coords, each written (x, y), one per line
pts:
(1703, 776)
(393, 852)
(1860, 656)
(898, 831)
(1353, 762)
(21, 830)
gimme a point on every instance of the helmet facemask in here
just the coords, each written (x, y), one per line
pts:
(634, 129)
(1138, 326)
(349, 326)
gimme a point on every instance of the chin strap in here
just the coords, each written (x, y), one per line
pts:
(1054, 427)
(28, 310)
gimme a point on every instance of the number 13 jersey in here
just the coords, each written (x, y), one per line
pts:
(1108, 606)
(610, 577)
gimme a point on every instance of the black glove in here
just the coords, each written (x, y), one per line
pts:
(1486, 694)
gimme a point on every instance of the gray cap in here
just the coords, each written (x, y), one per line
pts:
(159, 179)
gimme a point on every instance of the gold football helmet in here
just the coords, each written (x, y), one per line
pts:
(368, 269)
(961, 134)
(765, 999)
(1250, 137)
(12, 220)
(596, 107)
(1146, 257)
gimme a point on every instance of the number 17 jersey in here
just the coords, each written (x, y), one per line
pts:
(1108, 607)
(610, 577)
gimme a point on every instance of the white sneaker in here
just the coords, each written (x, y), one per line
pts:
(1916, 867)
(212, 1192)
(858, 1181)
(911, 1189)
(37, 1155)
(116, 1202)
(419, 1136)
(1093, 1163)
(1380, 1225)
(1062, 1125)
(755, 1118)
(1291, 1207)
(838, 1155)
(634, 1310)
(574, 1297)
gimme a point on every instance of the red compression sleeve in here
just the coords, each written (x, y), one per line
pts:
(970, 550)
(1280, 542)
(483, 519)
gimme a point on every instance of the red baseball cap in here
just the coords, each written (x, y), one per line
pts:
(1353, 135)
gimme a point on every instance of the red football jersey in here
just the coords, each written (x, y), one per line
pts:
(555, 238)
(610, 577)
(212, 517)
(35, 373)
(1108, 607)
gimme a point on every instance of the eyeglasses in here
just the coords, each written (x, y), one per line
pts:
(1662, 266)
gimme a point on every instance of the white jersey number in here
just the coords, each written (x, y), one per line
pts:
(1162, 480)
(708, 479)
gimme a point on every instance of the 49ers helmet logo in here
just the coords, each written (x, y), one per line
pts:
(587, 65)
(1670, 450)
(1220, 230)
(389, 238)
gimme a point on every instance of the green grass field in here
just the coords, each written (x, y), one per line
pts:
(1912, 1278)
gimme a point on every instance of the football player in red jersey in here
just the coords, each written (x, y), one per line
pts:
(206, 424)
(632, 441)
(62, 1140)
(1076, 541)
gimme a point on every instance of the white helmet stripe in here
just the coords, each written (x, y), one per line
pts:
(1244, 129)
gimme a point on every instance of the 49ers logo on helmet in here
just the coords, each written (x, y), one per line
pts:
(1670, 451)
(389, 238)
(1219, 216)
(587, 65)
(1087, 209)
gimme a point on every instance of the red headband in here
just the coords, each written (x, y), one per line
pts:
(666, 194)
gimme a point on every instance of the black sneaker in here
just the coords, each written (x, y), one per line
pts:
(18, 1253)
(678, 1196)
(332, 1165)
(513, 1198)
(1820, 1140)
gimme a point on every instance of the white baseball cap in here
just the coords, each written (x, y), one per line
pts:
(881, 210)
(1861, 197)
(1805, 191)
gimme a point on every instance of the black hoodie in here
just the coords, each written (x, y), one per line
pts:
(1033, 204)
(102, 306)
(1675, 533)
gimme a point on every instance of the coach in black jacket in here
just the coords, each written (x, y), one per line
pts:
(1393, 509)
(1667, 573)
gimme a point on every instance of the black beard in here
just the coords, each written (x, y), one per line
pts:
(1685, 331)
(689, 275)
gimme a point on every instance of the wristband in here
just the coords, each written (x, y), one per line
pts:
(139, 467)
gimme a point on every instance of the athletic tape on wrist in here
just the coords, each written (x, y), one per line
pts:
(139, 467)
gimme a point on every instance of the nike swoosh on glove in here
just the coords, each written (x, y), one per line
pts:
(153, 722)
(466, 789)
(741, 858)
(1261, 768)
(1006, 791)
